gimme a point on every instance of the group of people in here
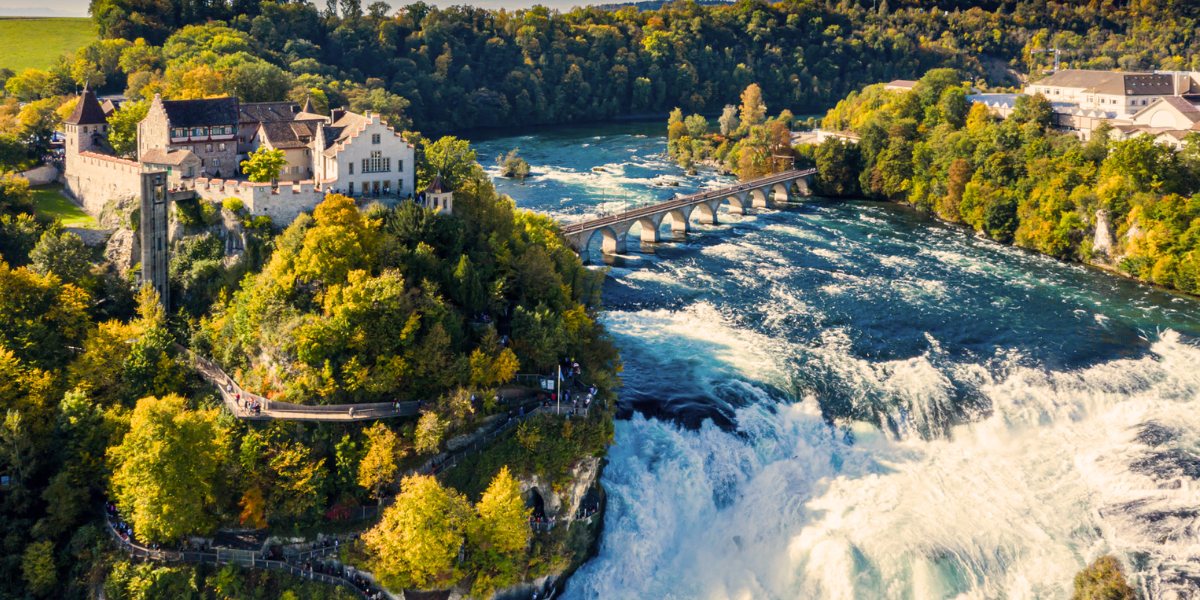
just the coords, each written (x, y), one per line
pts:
(251, 405)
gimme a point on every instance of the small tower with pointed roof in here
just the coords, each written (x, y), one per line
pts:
(87, 127)
(439, 196)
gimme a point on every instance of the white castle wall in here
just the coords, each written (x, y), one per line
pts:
(282, 204)
(94, 179)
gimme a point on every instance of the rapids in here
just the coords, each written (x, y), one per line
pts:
(851, 400)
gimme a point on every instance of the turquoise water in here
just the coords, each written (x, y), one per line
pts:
(851, 400)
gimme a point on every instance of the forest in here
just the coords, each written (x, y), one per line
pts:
(439, 69)
(1018, 181)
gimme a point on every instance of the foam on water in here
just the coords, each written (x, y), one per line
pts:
(1008, 506)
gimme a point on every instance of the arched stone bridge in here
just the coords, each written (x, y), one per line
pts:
(678, 212)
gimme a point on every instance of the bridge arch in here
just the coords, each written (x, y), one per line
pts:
(781, 191)
(649, 226)
(738, 204)
(678, 219)
(706, 212)
(758, 198)
(611, 242)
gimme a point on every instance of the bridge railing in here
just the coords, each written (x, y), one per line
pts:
(684, 200)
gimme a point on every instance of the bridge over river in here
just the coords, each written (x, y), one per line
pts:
(753, 193)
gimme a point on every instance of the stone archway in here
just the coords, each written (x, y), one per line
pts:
(779, 193)
(737, 205)
(649, 231)
(759, 199)
(678, 219)
(611, 243)
(706, 212)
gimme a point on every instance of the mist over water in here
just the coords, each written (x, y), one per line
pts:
(850, 400)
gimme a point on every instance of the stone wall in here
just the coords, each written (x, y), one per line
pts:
(283, 204)
(95, 179)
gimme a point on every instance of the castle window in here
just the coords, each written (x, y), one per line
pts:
(216, 162)
(351, 167)
(374, 138)
(400, 165)
(377, 163)
(222, 147)
(85, 128)
(208, 147)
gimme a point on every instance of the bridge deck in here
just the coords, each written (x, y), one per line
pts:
(674, 203)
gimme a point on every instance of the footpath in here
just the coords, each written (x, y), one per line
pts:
(310, 564)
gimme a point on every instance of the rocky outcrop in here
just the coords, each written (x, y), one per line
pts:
(1102, 243)
(123, 250)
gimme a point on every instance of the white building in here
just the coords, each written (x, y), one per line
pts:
(1125, 94)
(361, 156)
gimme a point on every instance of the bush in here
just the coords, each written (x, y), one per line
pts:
(1102, 580)
(233, 204)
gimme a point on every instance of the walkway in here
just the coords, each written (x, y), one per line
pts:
(758, 192)
(246, 558)
(238, 401)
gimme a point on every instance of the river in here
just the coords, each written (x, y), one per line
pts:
(852, 400)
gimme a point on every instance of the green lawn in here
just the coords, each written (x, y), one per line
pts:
(36, 43)
(47, 201)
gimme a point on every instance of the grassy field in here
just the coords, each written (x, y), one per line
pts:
(35, 43)
(47, 201)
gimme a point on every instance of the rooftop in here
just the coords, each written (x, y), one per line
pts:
(87, 111)
(201, 113)
(1111, 82)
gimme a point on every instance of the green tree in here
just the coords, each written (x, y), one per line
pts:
(264, 164)
(416, 543)
(430, 429)
(165, 469)
(838, 163)
(63, 254)
(15, 195)
(449, 157)
(40, 316)
(697, 126)
(122, 126)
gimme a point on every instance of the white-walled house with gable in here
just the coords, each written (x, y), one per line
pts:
(362, 157)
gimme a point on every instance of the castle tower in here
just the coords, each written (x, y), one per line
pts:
(439, 196)
(86, 128)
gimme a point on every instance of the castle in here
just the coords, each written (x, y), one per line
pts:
(200, 144)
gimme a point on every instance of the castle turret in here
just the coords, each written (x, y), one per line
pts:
(86, 129)
(439, 196)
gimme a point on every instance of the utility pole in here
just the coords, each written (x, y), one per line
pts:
(1056, 53)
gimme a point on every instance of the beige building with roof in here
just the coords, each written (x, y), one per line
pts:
(1124, 94)
(361, 156)
(295, 138)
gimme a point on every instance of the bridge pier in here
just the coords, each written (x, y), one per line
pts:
(613, 245)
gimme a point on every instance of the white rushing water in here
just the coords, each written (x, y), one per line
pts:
(1068, 467)
(1002, 418)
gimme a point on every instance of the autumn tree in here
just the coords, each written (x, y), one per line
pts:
(449, 157)
(500, 535)
(377, 469)
(40, 316)
(491, 363)
(416, 543)
(430, 429)
(960, 175)
(753, 108)
(164, 470)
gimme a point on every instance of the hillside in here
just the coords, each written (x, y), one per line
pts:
(36, 43)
